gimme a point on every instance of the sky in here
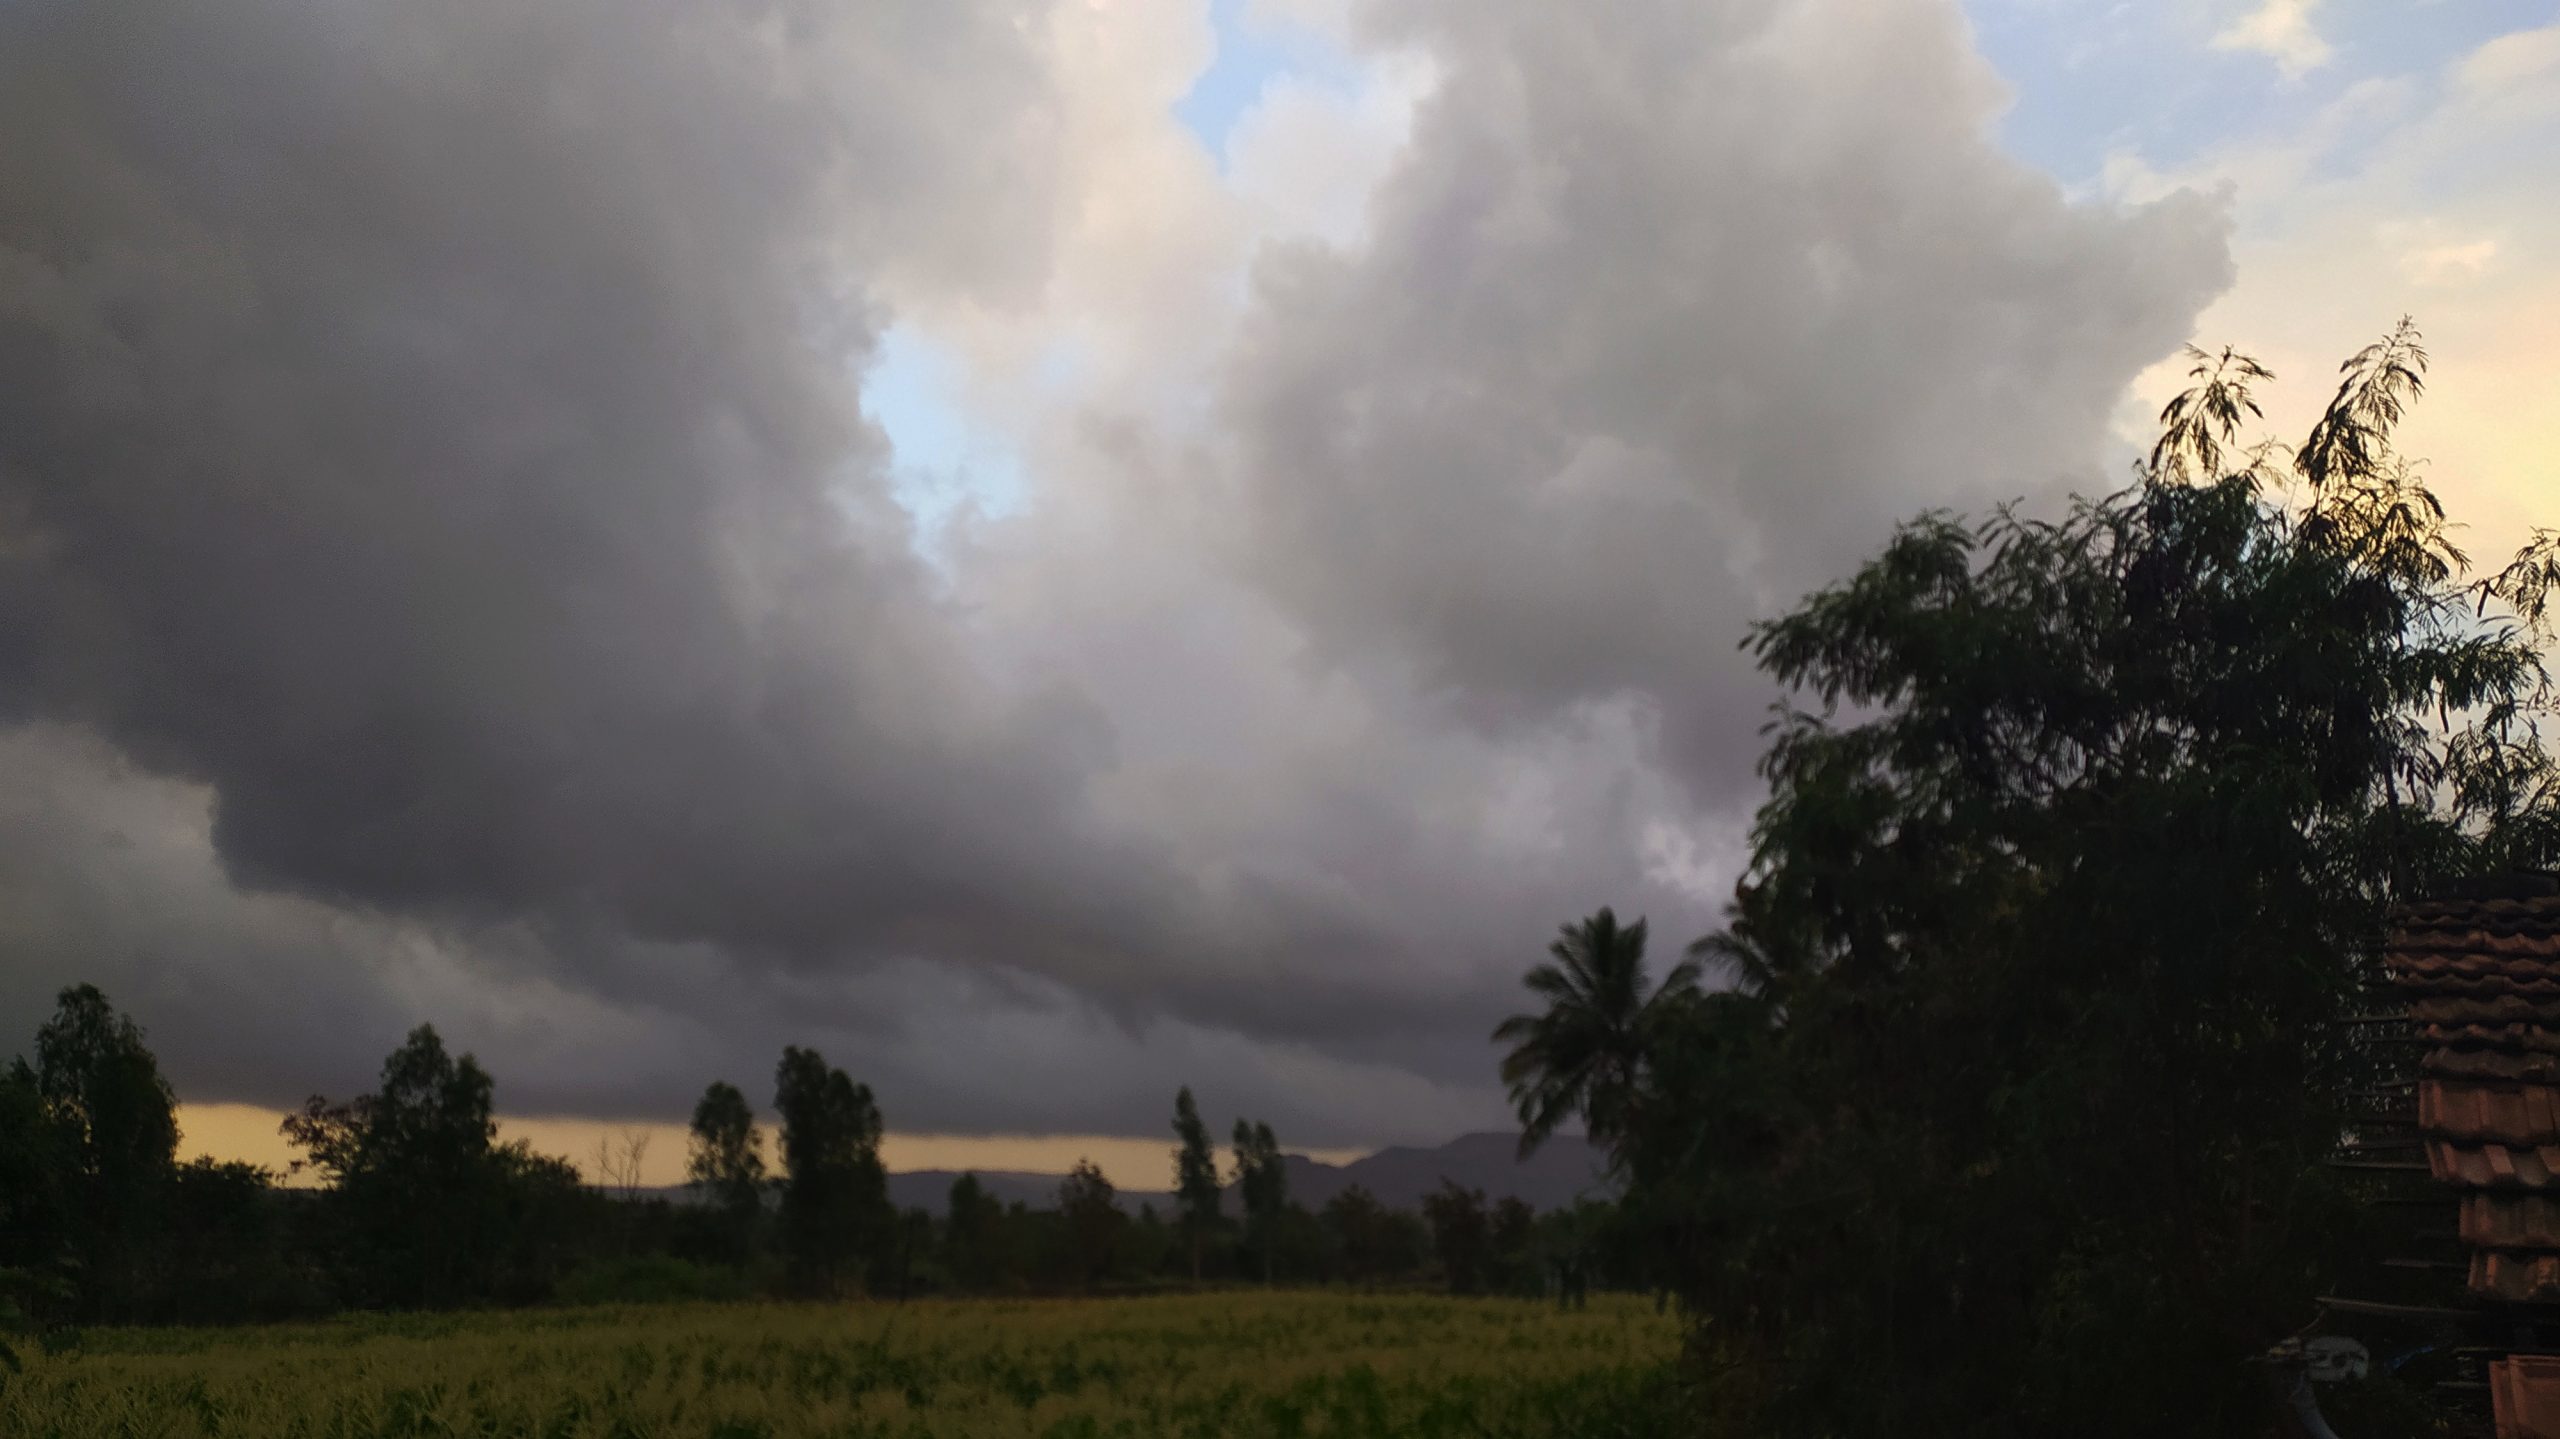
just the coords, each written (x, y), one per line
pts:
(1059, 549)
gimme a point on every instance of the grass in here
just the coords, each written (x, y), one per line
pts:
(1253, 1365)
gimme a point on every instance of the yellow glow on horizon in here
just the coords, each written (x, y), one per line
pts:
(249, 1132)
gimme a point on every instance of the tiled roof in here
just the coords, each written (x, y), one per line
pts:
(2494, 1166)
(2493, 1064)
(2495, 1004)
(2482, 982)
(2522, 1115)
(2524, 1395)
(2516, 1278)
(2494, 1221)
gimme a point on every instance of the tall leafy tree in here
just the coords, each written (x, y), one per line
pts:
(417, 1175)
(1262, 1182)
(1195, 1177)
(36, 1200)
(2070, 870)
(725, 1157)
(835, 1193)
(117, 1116)
(1584, 1053)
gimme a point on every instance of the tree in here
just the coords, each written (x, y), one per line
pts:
(1089, 1208)
(835, 1193)
(725, 1159)
(36, 1203)
(102, 1089)
(1263, 1181)
(973, 1237)
(416, 1174)
(1195, 1177)
(231, 1257)
(621, 1159)
(1368, 1240)
(1460, 1235)
(1511, 1237)
(1585, 1052)
(2063, 888)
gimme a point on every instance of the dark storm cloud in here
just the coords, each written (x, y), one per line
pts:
(429, 425)
(1671, 310)
(445, 572)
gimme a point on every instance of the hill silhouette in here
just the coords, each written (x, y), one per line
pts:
(1563, 1169)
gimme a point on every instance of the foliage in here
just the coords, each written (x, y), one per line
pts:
(101, 1089)
(1254, 1365)
(231, 1256)
(1262, 1179)
(2017, 1104)
(36, 1165)
(725, 1157)
(648, 1279)
(1584, 1053)
(421, 1206)
(973, 1237)
(1195, 1177)
(1090, 1210)
(1369, 1241)
(835, 1203)
(428, 1208)
(1461, 1235)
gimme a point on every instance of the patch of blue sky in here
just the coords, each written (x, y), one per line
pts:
(2093, 77)
(943, 460)
(1252, 51)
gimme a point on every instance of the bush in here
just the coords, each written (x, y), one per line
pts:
(649, 1279)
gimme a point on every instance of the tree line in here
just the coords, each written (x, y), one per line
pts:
(418, 1204)
(2001, 1103)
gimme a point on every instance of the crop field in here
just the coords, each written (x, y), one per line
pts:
(1225, 1364)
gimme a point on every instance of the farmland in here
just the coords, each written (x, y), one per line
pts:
(1304, 1363)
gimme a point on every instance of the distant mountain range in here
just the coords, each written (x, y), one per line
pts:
(1562, 1170)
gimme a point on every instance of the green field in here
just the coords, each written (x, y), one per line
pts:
(1241, 1364)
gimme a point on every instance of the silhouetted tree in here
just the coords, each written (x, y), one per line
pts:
(1362, 1234)
(2076, 858)
(1090, 1211)
(231, 1255)
(35, 1188)
(118, 1121)
(415, 1169)
(1195, 1177)
(835, 1202)
(973, 1237)
(1585, 1052)
(1262, 1182)
(1148, 1245)
(1460, 1235)
(1512, 1237)
(725, 1158)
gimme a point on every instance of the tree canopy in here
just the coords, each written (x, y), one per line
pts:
(1195, 1176)
(1584, 1053)
(835, 1203)
(2080, 837)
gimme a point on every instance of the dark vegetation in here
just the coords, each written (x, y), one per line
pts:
(2009, 1113)
(418, 1206)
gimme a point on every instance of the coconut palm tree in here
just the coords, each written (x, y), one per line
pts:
(1586, 1054)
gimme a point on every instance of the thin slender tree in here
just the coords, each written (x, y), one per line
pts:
(1263, 1185)
(1195, 1177)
